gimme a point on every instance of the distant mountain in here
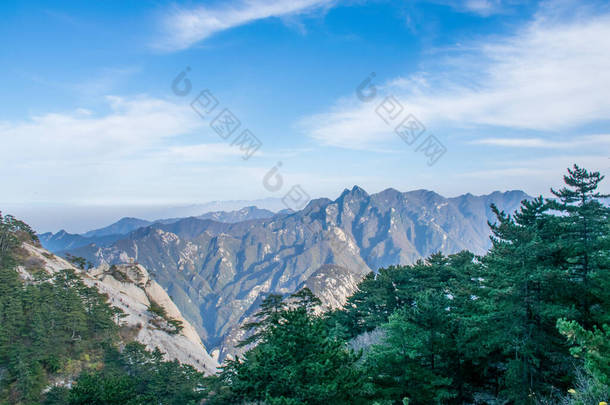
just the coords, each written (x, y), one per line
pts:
(271, 204)
(63, 240)
(243, 214)
(78, 218)
(121, 227)
(217, 273)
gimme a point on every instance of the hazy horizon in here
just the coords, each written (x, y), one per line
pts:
(80, 218)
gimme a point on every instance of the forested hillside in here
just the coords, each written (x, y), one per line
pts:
(55, 329)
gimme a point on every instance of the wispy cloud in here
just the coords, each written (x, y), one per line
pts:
(552, 74)
(131, 124)
(104, 81)
(142, 149)
(588, 140)
(531, 168)
(185, 27)
(483, 8)
(205, 152)
(347, 125)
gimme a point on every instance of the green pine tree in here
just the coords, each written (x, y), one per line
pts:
(585, 234)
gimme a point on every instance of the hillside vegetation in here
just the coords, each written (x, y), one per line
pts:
(60, 344)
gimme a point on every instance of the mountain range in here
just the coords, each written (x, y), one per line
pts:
(63, 240)
(219, 266)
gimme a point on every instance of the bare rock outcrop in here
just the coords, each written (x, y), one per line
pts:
(130, 288)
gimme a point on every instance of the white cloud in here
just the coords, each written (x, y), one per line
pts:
(348, 125)
(131, 125)
(142, 150)
(97, 83)
(541, 173)
(589, 140)
(483, 8)
(185, 27)
(134, 151)
(551, 75)
(206, 152)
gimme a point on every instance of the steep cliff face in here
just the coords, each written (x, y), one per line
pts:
(130, 288)
(333, 285)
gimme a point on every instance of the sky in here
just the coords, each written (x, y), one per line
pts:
(123, 105)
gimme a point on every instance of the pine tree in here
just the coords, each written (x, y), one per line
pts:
(414, 359)
(591, 345)
(524, 286)
(296, 361)
(268, 315)
(585, 233)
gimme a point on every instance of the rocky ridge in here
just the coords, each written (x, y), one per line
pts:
(130, 288)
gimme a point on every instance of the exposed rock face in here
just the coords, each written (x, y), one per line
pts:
(130, 288)
(218, 273)
(333, 285)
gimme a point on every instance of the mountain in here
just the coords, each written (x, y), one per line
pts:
(271, 204)
(217, 273)
(63, 240)
(130, 288)
(244, 214)
(78, 218)
(121, 227)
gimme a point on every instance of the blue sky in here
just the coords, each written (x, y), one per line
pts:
(513, 91)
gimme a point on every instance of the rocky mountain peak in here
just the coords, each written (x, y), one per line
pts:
(356, 192)
(315, 205)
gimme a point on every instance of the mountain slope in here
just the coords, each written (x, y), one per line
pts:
(218, 272)
(62, 240)
(121, 227)
(244, 214)
(130, 288)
